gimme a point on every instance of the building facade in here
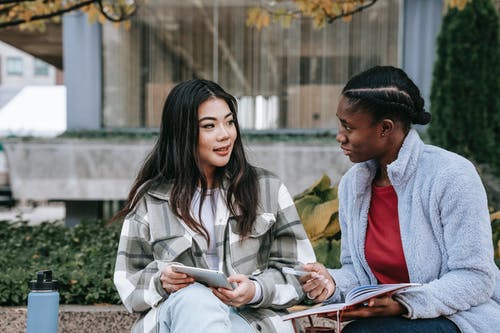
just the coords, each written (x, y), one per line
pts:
(286, 79)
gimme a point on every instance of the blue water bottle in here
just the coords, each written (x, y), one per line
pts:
(43, 304)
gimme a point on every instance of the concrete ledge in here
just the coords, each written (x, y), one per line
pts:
(71, 169)
(100, 318)
(74, 319)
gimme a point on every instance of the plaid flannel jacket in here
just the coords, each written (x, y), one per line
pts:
(153, 237)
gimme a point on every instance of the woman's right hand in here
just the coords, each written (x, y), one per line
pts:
(318, 284)
(173, 281)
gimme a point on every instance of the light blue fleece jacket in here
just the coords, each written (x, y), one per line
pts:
(445, 231)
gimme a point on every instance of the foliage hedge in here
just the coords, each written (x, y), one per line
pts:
(465, 103)
(82, 259)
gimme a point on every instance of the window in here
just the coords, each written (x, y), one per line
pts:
(40, 68)
(14, 66)
(283, 77)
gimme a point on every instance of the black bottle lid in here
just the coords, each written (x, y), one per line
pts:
(43, 281)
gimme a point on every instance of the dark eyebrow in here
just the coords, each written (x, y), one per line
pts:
(341, 119)
(213, 118)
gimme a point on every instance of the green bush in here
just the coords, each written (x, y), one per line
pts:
(465, 103)
(495, 225)
(318, 208)
(81, 258)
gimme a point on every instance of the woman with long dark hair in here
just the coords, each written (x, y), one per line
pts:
(198, 202)
(409, 212)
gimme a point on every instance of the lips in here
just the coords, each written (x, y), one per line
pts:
(345, 150)
(223, 150)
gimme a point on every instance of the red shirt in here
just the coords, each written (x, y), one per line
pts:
(383, 247)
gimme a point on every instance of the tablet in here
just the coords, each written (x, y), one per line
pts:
(208, 277)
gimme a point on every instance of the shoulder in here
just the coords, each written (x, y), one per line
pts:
(154, 199)
(264, 174)
(357, 177)
(436, 160)
(267, 178)
(448, 175)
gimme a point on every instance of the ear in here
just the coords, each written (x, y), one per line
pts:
(387, 127)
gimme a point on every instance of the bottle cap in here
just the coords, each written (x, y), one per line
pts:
(43, 281)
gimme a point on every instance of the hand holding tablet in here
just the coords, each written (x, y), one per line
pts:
(208, 277)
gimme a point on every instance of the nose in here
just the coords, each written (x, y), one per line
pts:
(222, 133)
(340, 137)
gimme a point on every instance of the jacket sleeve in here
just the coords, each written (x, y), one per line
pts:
(137, 274)
(289, 246)
(345, 277)
(460, 205)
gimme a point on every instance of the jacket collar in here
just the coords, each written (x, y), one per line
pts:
(163, 191)
(399, 171)
(403, 168)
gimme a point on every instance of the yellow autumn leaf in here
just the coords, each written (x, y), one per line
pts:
(495, 216)
(347, 18)
(316, 219)
(127, 24)
(333, 227)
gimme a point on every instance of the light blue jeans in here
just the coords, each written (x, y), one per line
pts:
(195, 309)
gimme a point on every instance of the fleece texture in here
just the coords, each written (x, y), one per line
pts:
(445, 231)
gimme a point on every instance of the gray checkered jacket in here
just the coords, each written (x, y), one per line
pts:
(153, 237)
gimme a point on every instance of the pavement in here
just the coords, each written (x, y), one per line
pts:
(34, 213)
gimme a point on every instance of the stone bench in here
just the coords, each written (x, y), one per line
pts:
(74, 319)
(97, 319)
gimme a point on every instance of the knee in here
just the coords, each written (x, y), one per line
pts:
(196, 298)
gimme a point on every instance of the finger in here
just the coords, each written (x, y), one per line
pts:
(238, 278)
(308, 277)
(168, 271)
(313, 267)
(360, 312)
(312, 285)
(323, 296)
(172, 288)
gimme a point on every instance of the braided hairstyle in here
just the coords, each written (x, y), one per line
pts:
(387, 92)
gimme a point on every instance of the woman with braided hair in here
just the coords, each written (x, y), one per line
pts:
(409, 212)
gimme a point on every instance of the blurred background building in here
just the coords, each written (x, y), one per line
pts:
(286, 80)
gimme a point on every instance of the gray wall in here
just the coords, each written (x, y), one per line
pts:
(421, 25)
(92, 170)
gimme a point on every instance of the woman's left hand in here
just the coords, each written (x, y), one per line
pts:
(384, 306)
(240, 295)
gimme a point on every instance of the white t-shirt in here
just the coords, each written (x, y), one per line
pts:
(208, 211)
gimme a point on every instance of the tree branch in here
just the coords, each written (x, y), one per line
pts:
(358, 9)
(46, 16)
(121, 17)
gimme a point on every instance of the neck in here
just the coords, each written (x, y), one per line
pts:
(382, 178)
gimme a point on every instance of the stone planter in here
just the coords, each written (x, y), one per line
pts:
(96, 169)
(74, 319)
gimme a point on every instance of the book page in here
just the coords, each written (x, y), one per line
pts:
(355, 296)
(363, 293)
(334, 307)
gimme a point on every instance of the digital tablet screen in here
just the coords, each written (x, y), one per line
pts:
(208, 277)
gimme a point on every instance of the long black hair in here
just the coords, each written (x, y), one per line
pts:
(174, 160)
(387, 92)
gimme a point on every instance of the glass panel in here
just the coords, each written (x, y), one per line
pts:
(40, 68)
(283, 78)
(14, 66)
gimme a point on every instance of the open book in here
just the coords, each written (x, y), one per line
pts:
(355, 296)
